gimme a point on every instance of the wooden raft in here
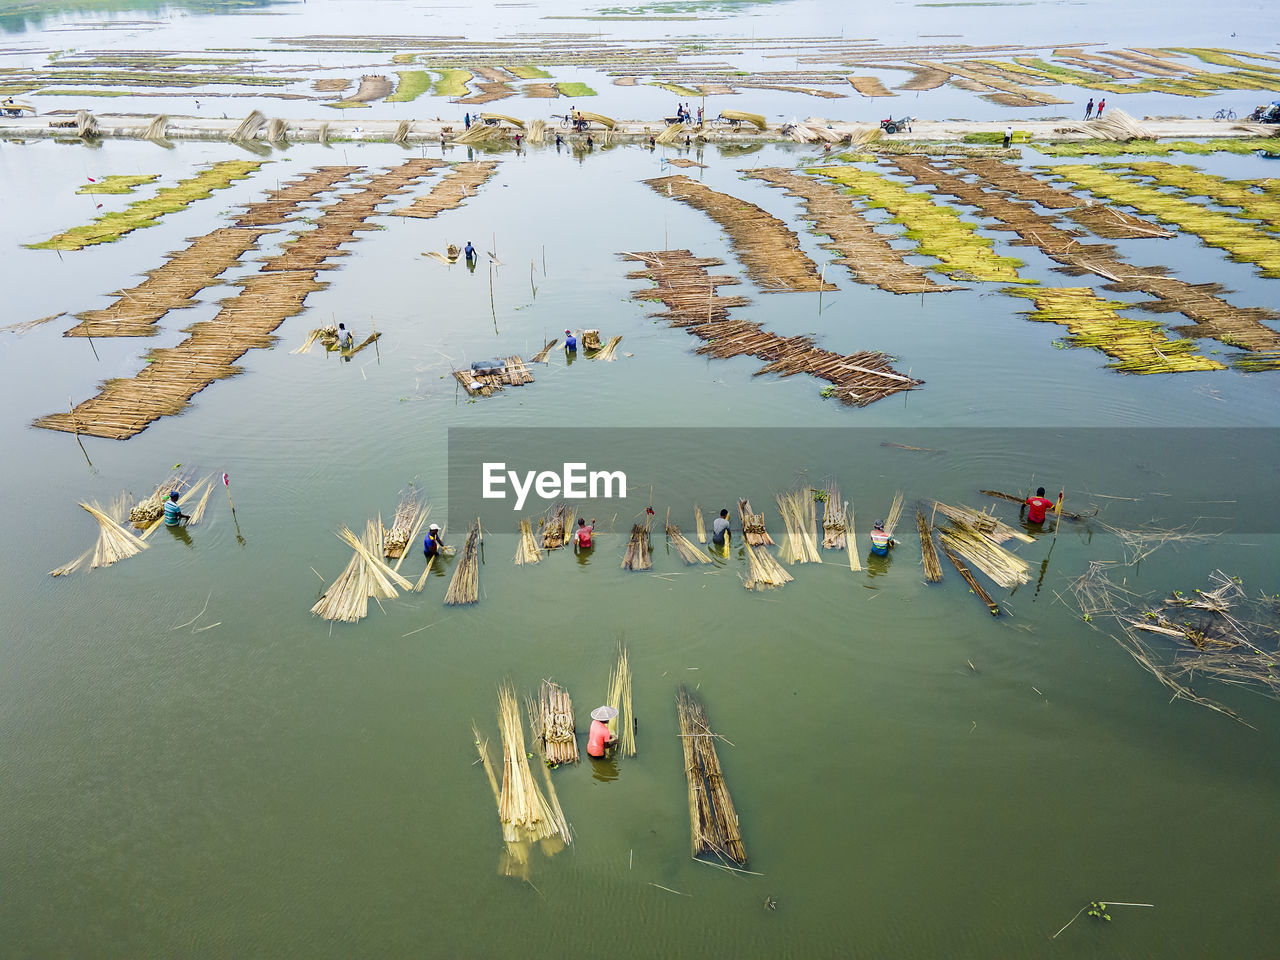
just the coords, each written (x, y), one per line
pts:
(688, 291)
(173, 375)
(461, 182)
(514, 373)
(869, 255)
(768, 249)
(1212, 316)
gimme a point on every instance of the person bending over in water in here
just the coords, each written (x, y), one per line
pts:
(582, 536)
(172, 512)
(601, 738)
(881, 541)
(720, 532)
(1037, 505)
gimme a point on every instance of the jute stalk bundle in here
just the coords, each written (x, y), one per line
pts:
(249, 127)
(541, 355)
(365, 576)
(197, 514)
(855, 562)
(187, 495)
(555, 533)
(326, 335)
(894, 515)
(685, 547)
(526, 546)
(670, 135)
(411, 514)
(929, 556)
(623, 726)
(146, 512)
(553, 724)
(590, 339)
(713, 821)
(638, 556)
(755, 119)
(514, 861)
(608, 351)
(996, 562)
(753, 531)
(114, 541)
(798, 544)
(763, 572)
(835, 522)
(984, 523)
(464, 588)
(525, 813)
(972, 581)
(698, 524)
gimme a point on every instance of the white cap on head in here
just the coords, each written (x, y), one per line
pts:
(435, 527)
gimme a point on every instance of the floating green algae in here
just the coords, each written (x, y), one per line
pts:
(527, 72)
(412, 85)
(937, 229)
(1240, 238)
(144, 213)
(1192, 182)
(451, 83)
(1138, 346)
(575, 89)
(995, 136)
(1155, 148)
(678, 89)
(119, 183)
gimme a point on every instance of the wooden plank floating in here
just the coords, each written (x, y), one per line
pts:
(869, 255)
(688, 291)
(462, 181)
(1212, 316)
(173, 375)
(175, 283)
(488, 381)
(768, 249)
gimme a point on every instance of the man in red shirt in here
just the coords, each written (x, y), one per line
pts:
(582, 536)
(1037, 505)
(601, 737)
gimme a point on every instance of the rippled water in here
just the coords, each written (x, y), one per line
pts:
(914, 777)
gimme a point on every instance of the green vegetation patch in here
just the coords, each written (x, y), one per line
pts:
(145, 213)
(995, 136)
(119, 183)
(412, 85)
(527, 72)
(1155, 148)
(451, 83)
(575, 89)
(677, 89)
(1191, 182)
(938, 230)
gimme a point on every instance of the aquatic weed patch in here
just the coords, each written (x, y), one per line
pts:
(1156, 148)
(118, 183)
(1254, 202)
(144, 213)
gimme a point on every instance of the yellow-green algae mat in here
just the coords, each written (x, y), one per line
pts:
(1240, 238)
(938, 230)
(1139, 346)
(144, 213)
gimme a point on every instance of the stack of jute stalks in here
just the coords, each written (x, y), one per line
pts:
(763, 572)
(623, 726)
(551, 719)
(894, 515)
(698, 524)
(464, 588)
(753, 531)
(928, 555)
(556, 533)
(526, 814)
(366, 575)
(147, 511)
(411, 514)
(610, 349)
(713, 822)
(976, 536)
(591, 340)
(685, 547)
(798, 512)
(638, 555)
(526, 546)
(835, 522)
(514, 861)
(114, 542)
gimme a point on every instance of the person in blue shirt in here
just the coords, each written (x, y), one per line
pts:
(570, 342)
(431, 545)
(173, 514)
(469, 251)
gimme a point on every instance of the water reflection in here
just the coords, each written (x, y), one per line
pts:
(878, 566)
(180, 534)
(604, 769)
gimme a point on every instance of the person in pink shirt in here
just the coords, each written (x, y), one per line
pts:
(582, 536)
(601, 738)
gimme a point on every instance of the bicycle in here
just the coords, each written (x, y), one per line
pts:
(1225, 114)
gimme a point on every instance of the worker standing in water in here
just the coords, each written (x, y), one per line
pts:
(880, 540)
(601, 738)
(431, 545)
(570, 342)
(172, 512)
(1037, 506)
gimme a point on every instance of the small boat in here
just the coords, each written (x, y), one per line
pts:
(1268, 154)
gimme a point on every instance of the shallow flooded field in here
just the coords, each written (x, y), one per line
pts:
(195, 765)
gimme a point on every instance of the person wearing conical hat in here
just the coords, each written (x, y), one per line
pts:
(601, 738)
